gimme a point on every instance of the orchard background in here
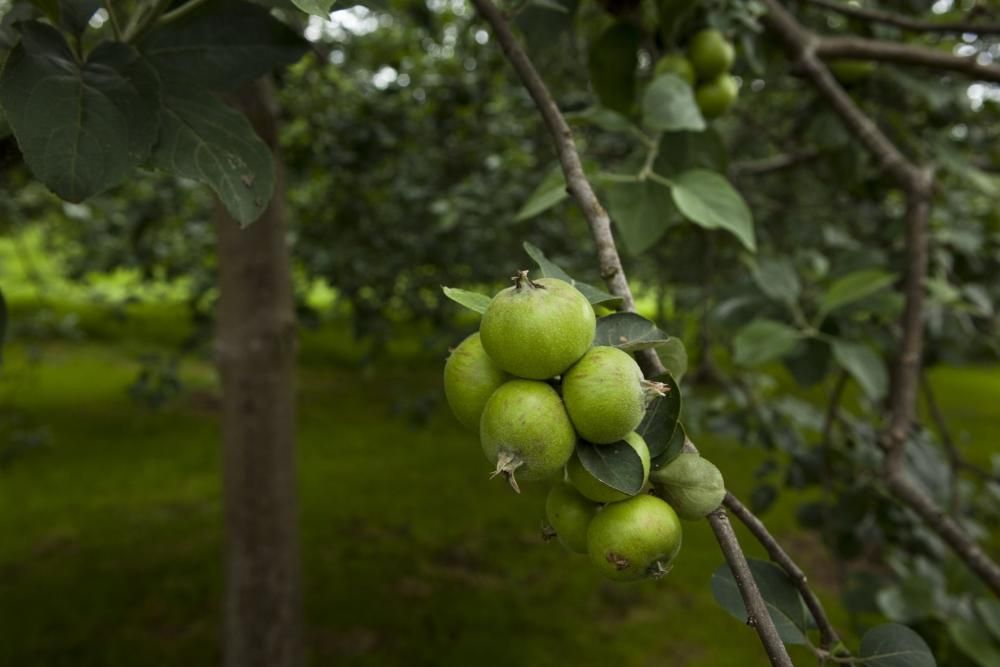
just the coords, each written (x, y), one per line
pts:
(225, 227)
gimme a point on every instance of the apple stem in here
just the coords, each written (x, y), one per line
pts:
(507, 465)
(522, 281)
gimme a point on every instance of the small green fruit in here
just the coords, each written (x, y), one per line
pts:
(851, 71)
(525, 431)
(710, 53)
(595, 489)
(604, 395)
(634, 539)
(569, 514)
(537, 329)
(675, 63)
(470, 377)
(691, 484)
(717, 96)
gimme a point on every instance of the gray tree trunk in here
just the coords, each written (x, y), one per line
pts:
(256, 347)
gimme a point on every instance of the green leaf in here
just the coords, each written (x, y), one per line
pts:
(864, 365)
(550, 270)
(606, 119)
(987, 609)
(810, 363)
(75, 15)
(617, 465)
(672, 15)
(471, 300)
(707, 199)
(668, 105)
(660, 422)
(974, 641)
(222, 46)
(682, 151)
(629, 332)
(642, 212)
(777, 279)
(72, 15)
(784, 604)
(674, 357)
(614, 57)
(854, 287)
(82, 127)
(50, 8)
(895, 645)
(207, 141)
(321, 8)
(674, 447)
(763, 340)
(549, 192)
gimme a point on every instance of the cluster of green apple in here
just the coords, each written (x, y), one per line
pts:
(536, 388)
(705, 67)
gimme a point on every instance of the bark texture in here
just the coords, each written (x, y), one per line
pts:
(255, 348)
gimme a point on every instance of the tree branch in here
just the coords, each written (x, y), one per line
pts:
(614, 276)
(862, 48)
(907, 22)
(948, 530)
(769, 165)
(828, 635)
(758, 616)
(917, 183)
(801, 46)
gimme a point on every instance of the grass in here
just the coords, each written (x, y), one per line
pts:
(111, 549)
(411, 556)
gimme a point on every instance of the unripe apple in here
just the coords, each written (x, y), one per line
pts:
(717, 96)
(569, 514)
(710, 53)
(538, 328)
(604, 395)
(634, 539)
(470, 377)
(675, 63)
(526, 432)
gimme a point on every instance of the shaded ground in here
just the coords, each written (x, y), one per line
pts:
(110, 531)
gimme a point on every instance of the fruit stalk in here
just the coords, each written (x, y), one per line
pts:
(523, 282)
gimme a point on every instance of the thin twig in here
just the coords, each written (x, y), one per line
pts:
(907, 22)
(828, 635)
(116, 28)
(758, 616)
(182, 11)
(917, 184)
(862, 48)
(614, 276)
(769, 165)
(143, 19)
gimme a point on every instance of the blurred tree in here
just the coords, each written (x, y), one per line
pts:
(255, 352)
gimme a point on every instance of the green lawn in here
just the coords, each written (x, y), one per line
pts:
(111, 531)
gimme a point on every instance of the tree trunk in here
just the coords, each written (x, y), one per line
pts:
(255, 351)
